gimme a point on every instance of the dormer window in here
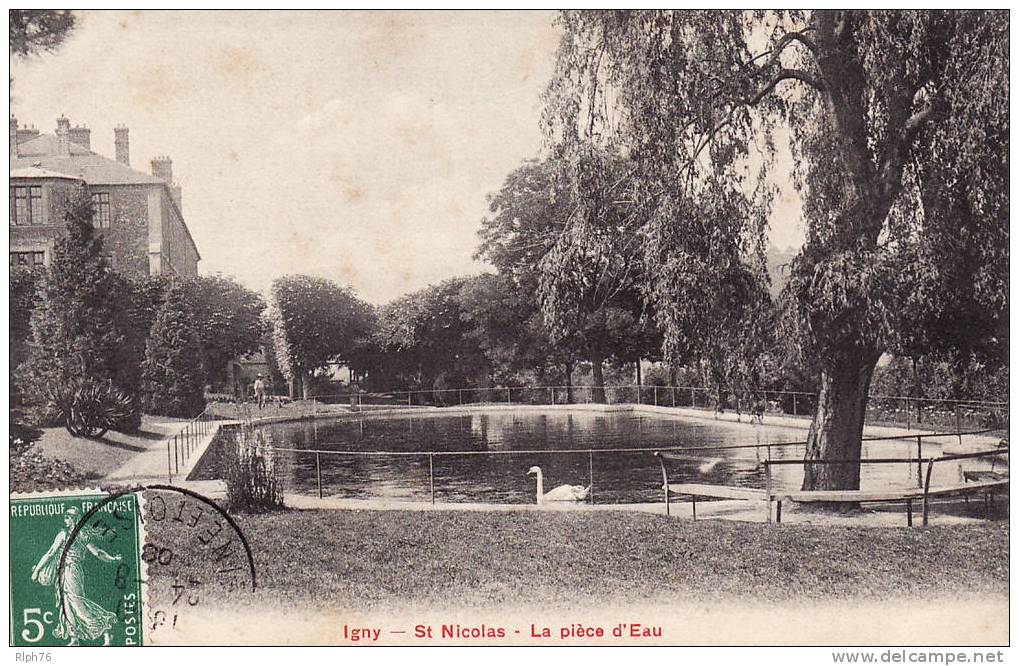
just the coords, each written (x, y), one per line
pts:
(26, 205)
(101, 203)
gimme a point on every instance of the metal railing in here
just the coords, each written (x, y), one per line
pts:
(906, 411)
(902, 411)
(764, 461)
(183, 443)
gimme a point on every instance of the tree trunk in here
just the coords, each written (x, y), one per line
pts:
(639, 378)
(598, 390)
(837, 428)
(569, 382)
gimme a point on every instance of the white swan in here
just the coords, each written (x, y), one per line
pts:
(563, 493)
(709, 466)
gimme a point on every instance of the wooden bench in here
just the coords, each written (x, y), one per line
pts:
(890, 495)
(695, 490)
(907, 495)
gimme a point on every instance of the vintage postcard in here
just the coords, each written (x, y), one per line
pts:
(510, 328)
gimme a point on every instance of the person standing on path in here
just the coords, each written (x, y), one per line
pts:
(260, 387)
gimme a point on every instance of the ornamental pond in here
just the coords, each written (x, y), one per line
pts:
(555, 440)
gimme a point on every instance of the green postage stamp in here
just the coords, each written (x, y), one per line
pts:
(76, 576)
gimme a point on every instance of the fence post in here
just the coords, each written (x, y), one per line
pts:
(431, 478)
(509, 393)
(176, 457)
(408, 398)
(665, 481)
(551, 393)
(656, 395)
(460, 393)
(926, 491)
(958, 424)
(909, 413)
(590, 475)
(767, 484)
(919, 461)
(169, 465)
(318, 472)
(794, 404)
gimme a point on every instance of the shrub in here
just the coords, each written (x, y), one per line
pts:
(253, 483)
(88, 407)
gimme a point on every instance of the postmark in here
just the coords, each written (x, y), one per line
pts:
(123, 568)
(194, 556)
(76, 569)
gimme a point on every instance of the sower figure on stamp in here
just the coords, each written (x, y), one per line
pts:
(260, 388)
(79, 618)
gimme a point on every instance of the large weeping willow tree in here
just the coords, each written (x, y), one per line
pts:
(898, 123)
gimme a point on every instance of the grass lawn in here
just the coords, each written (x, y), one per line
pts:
(369, 560)
(58, 459)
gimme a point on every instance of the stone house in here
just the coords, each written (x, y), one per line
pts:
(139, 215)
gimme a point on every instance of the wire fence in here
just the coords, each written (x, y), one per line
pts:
(904, 411)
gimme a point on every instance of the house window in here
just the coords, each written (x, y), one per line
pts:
(28, 259)
(26, 205)
(101, 203)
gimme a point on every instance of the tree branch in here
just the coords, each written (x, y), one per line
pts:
(786, 74)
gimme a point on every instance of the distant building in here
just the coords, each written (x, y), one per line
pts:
(138, 214)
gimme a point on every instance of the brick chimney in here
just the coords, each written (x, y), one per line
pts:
(123, 147)
(162, 168)
(81, 136)
(63, 136)
(13, 136)
(26, 133)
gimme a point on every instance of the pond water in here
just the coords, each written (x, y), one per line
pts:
(522, 439)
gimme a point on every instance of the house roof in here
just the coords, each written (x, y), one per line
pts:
(42, 152)
(40, 158)
(38, 172)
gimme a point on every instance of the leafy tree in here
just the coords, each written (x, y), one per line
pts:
(228, 318)
(583, 274)
(173, 379)
(426, 340)
(899, 129)
(77, 326)
(34, 31)
(507, 326)
(314, 322)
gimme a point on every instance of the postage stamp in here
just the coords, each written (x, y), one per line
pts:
(76, 578)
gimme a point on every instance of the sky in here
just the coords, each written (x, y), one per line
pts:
(356, 146)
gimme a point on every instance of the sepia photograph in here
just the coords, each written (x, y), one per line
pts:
(549, 328)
